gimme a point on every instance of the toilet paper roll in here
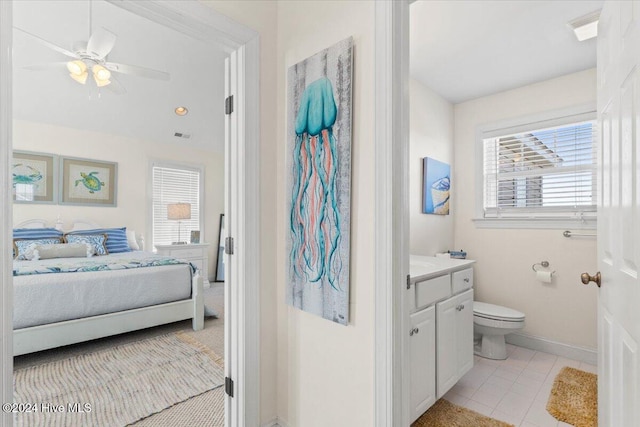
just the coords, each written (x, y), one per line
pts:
(443, 255)
(544, 276)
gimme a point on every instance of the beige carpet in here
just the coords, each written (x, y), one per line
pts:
(446, 414)
(205, 410)
(574, 398)
(118, 386)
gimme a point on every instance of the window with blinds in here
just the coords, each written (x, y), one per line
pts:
(173, 184)
(542, 173)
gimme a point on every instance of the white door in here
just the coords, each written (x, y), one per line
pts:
(619, 215)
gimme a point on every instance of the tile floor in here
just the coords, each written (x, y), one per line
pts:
(514, 390)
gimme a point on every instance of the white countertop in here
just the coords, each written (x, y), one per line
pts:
(426, 267)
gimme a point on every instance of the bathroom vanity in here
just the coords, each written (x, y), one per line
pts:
(440, 306)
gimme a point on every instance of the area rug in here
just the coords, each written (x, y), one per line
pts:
(119, 386)
(445, 414)
(574, 398)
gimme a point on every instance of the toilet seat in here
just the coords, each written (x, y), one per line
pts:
(496, 312)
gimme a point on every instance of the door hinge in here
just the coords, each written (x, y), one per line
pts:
(228, 245)
(408, 281)
(228, 105)
(228, 386)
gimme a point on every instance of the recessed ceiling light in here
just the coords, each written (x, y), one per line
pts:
(585, 27)
(181, 111)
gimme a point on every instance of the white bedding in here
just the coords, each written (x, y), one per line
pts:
(48, 298)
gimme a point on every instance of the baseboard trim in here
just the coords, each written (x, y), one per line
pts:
(276, 422)
(569, 351)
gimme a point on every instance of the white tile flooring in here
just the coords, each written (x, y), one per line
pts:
(514, 390)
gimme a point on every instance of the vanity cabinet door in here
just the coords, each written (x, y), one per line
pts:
(464, 333)
(454, 320)
(422, 344)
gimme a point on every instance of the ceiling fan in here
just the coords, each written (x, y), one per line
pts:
(92, 56)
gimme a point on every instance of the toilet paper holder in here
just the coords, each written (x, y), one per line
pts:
(544, 264)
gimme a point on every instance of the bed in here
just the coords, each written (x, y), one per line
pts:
(62, 301)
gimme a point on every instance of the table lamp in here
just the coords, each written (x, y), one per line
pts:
(178, 212)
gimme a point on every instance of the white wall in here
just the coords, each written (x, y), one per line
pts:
(565, 310)
(262, 17)
(132, 156)
(430, 135)
(325, 371)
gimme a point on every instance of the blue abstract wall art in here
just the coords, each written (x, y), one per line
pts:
(319, 182)
(436, 187)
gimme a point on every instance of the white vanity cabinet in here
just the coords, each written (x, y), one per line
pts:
(422, 342)
(441, 333)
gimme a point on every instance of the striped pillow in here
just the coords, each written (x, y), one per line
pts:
(36, 233)
(116, 238)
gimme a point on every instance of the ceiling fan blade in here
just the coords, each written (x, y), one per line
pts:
(134, 70)
(101, 42)
(50, 45)
(116, 87)
(45, 67)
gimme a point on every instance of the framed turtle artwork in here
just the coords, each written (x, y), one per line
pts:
(88, 182)
(34, 177)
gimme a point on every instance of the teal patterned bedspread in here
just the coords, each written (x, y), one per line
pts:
(99, 263)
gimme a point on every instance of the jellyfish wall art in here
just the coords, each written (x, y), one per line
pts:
(319, 182)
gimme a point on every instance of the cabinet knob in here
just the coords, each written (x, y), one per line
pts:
(414, 331)
(466, 279)
(460, 307)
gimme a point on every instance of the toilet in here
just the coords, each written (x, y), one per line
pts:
(490, 324)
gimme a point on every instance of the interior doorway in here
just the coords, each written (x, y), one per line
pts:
(240, 43)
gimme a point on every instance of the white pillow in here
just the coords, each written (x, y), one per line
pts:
(131, 239)
(68, 250)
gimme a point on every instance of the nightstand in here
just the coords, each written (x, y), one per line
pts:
(196, 253)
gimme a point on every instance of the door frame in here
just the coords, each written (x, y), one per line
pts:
(391, 357)
(204, 23)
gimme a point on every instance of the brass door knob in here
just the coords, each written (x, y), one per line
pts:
(586, 278)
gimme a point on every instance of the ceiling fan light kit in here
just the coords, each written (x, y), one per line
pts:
(101, 75)
(101, 83)
(77, 71)
(81, 78)
(93, 54)
(76, 67)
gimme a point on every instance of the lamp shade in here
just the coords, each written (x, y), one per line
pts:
(179, 211)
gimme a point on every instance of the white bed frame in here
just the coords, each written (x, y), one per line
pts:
(43, 337)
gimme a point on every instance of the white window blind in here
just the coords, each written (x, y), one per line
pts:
(174, 185)
(541, 173)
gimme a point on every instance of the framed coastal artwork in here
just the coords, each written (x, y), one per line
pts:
(318, 188)
(34, 177)
(436, 184)
(88, 182)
